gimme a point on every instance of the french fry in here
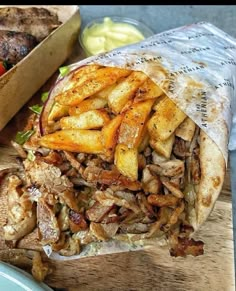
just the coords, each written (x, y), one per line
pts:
(88, 104)
(157, 101)
(163, 147)
(106, 91)
(91, 119)
(84, 73)
(165, 120)
(74, 140)
(148, 90)
(125, 90)
(58, 111)
(186, 129)
(133, 123)
(98, 81)
(110, 135)
(126, 161)
(144, 139)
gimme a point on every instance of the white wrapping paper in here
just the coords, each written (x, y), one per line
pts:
(195, 65)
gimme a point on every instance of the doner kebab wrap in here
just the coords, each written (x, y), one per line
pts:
(130, 147)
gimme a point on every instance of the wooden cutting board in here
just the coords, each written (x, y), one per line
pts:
(151, 269)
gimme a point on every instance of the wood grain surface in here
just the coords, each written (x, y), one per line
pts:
(150, 269)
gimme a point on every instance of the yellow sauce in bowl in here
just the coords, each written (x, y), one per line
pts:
(108, 35)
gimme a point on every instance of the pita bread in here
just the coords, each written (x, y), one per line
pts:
(213, 170)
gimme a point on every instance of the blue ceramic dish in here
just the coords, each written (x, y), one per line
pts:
(15, 279)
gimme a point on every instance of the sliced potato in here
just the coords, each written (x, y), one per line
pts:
(99, 80)
(186, 129)
(148, 90)
(84, 73)
(165, 120)
(106, 91)
(58, 111)
(163, 147)
(88, 104)
(126, 161)
(125, 90)
(91, 119)
(145, 137)
(74, 140)
(133, 123)
(110, 135)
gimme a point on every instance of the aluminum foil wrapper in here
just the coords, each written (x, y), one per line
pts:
(195, 65)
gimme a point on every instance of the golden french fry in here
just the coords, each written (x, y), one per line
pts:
(186, 129)
(106, 91)
(148, 90)
(165, 120)
(88, 104)
(145, 137)
(91, 119)
(98, 81)
(74, 140)
(157, 101)
(84, 73)
(126, 161)
(58, 111)
(125, 90)
(133, 123)
(109, 134)
(163, 147)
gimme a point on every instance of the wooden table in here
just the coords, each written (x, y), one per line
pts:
(151, 269)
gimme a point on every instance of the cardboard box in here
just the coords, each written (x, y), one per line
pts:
(19, 84)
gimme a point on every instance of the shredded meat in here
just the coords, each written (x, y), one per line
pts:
(186, 247)
(97, 212)
(49, 231)
(135, 228)
(163, 200)
(21, 218)
(46, 175)
(107, 198)
(150, 183)
(98, 175)
(172, 168)
(173, 189)
(180, 148)
(77, 221)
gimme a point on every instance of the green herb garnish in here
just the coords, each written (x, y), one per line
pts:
(23, 136)
(31, 155)
(64, 70)
(44, 96)
(36, 108)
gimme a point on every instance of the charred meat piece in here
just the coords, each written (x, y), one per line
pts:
(171, 168)
(186, 247)
(97, 175)
(97, 212)
(48, 227)
(14, 46)
(38, 22)
(47, 176)
(180, 148)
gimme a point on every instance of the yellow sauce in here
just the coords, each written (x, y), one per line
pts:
(108, 35)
